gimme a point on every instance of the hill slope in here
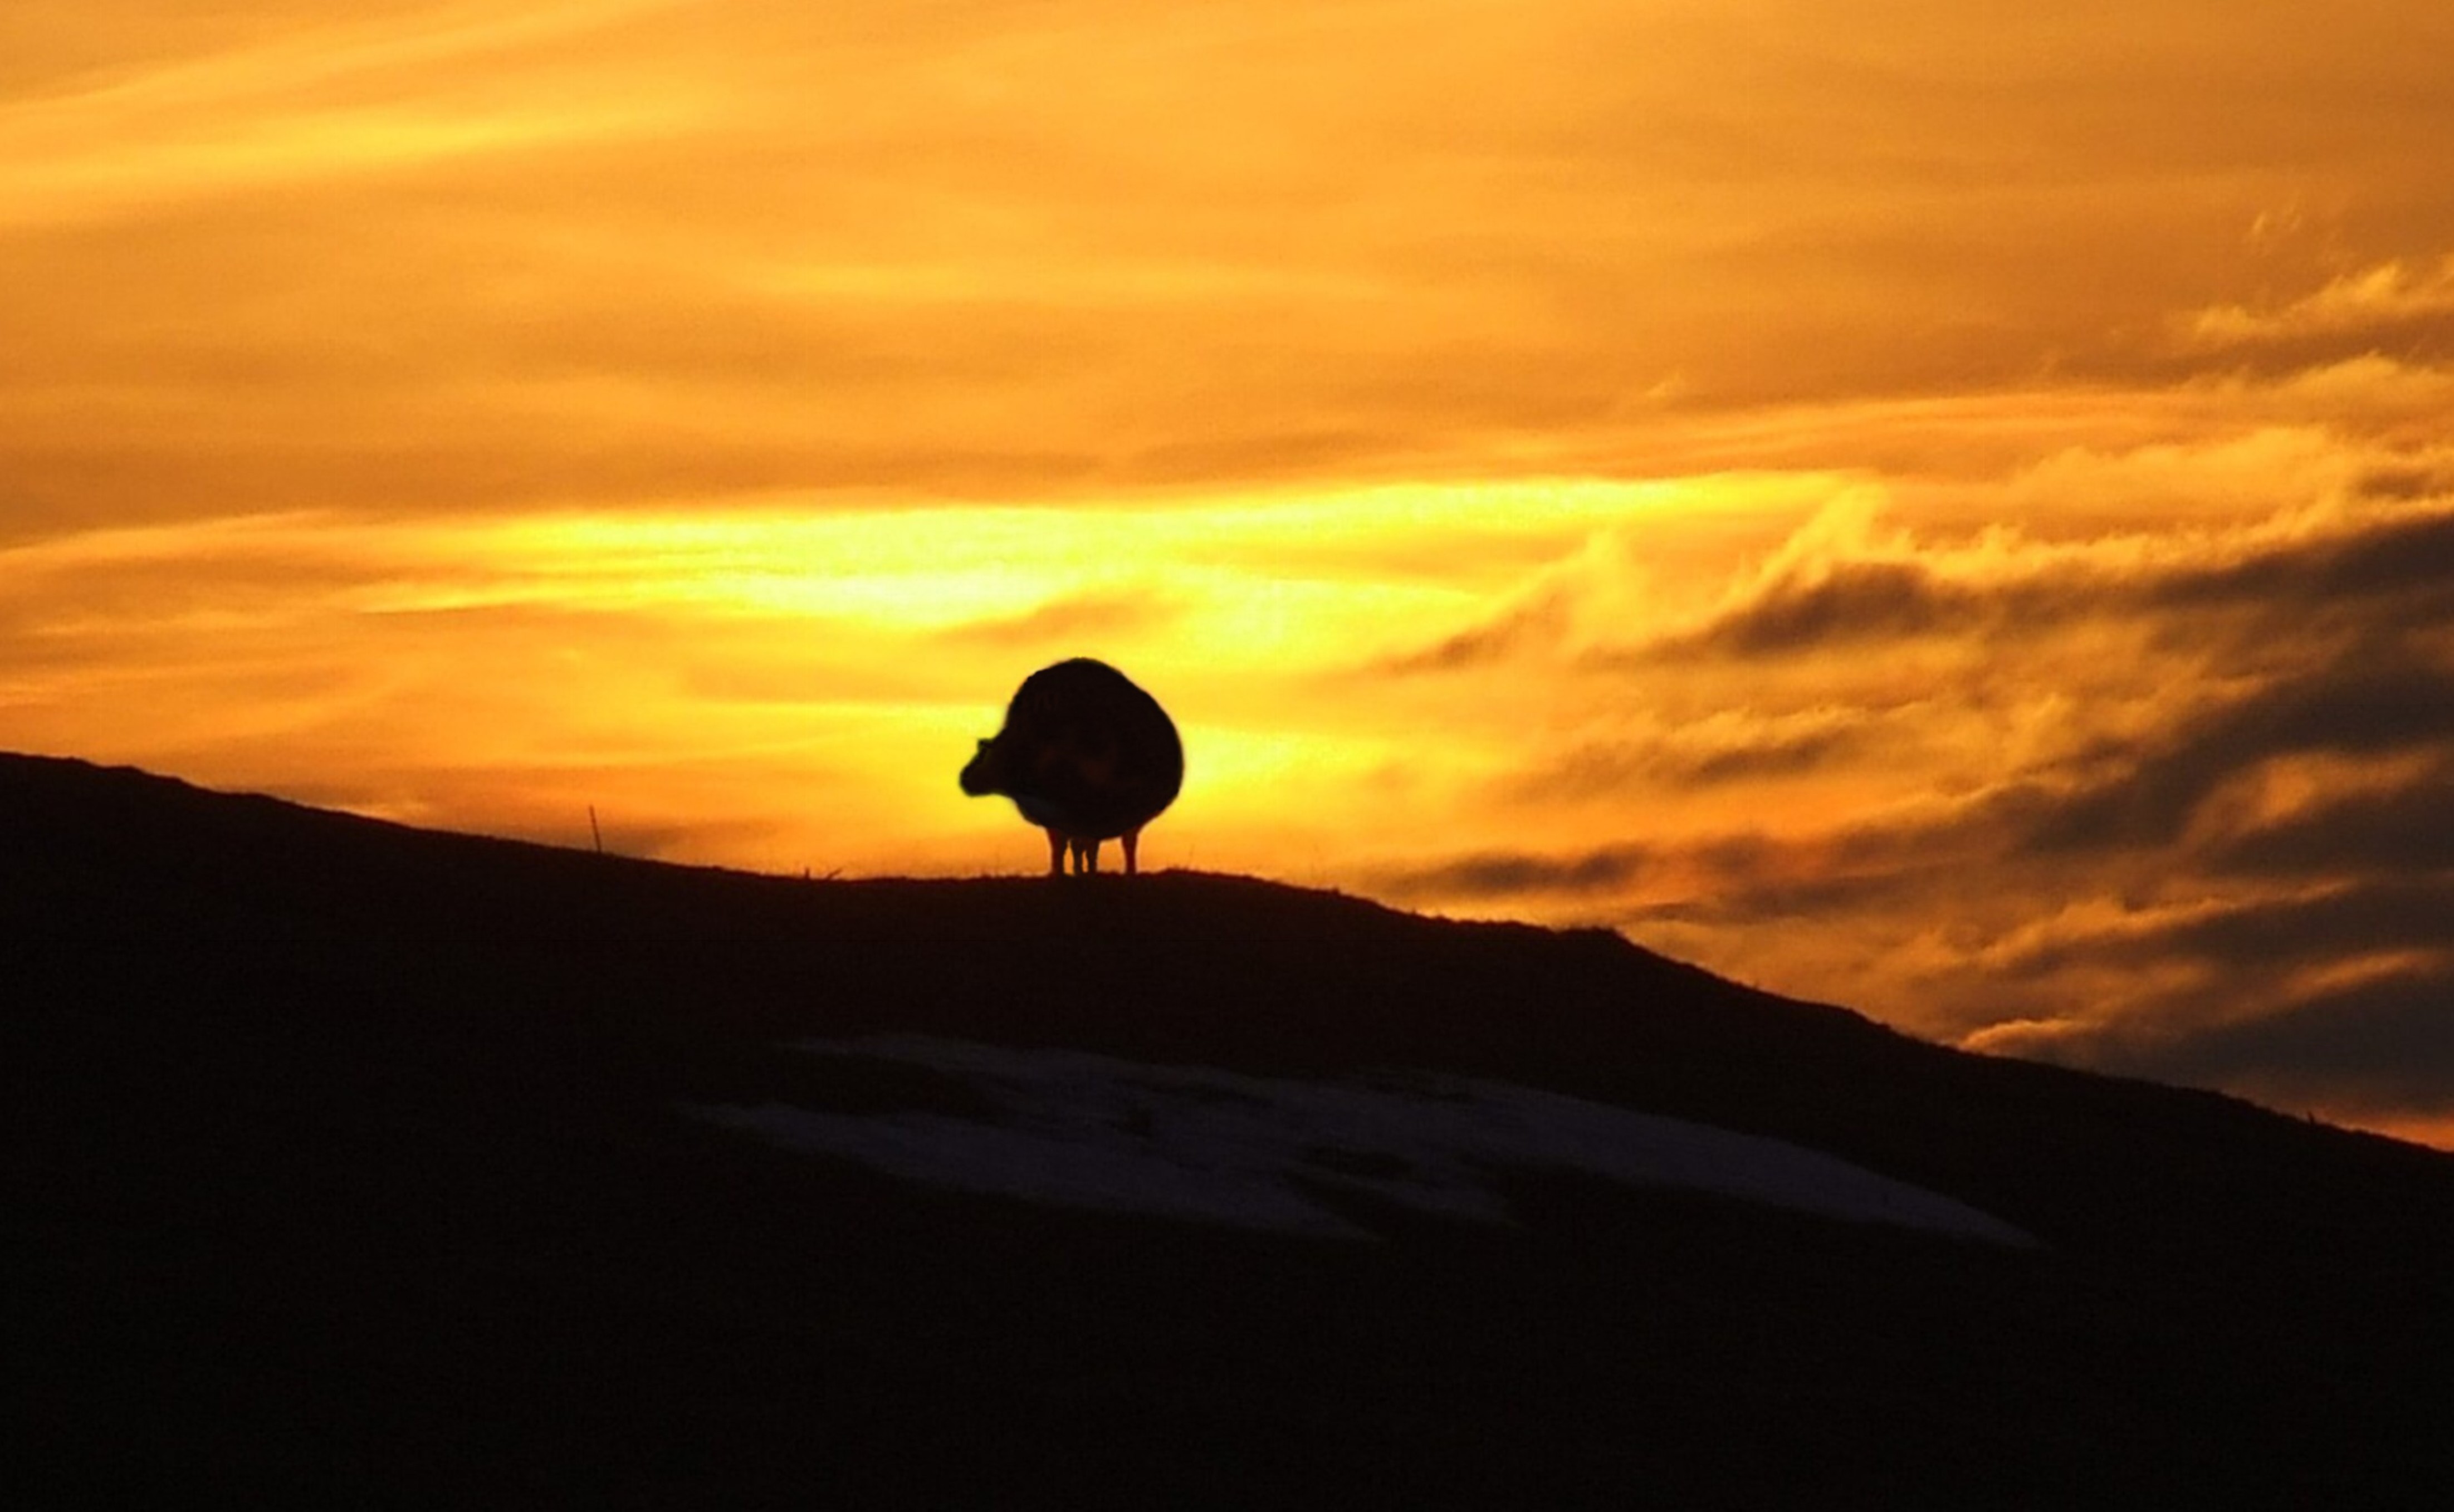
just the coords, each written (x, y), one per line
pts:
(363, 1165)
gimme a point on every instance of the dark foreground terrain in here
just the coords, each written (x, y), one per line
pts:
(350, 1165)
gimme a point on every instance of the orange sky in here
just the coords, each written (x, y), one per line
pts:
(1952, 513)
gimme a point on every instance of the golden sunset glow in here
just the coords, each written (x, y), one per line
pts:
(1944, 511)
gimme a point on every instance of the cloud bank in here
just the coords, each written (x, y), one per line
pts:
(2168, 801)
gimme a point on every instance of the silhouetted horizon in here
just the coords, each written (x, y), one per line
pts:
(356, 1160)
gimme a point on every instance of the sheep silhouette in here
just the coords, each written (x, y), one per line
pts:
(1087, 756)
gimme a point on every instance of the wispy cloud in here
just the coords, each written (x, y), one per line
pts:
(2394, 305)
(327, 99)
(2149, 791)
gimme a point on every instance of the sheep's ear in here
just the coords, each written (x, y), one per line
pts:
(984, 745)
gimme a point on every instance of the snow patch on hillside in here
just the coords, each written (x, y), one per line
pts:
(1198, 1144)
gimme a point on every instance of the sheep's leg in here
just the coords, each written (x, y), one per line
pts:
(1087, 854)
(1132, 841)
(1056, 845)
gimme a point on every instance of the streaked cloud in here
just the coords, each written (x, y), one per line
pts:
(2139, 795)
(2394, 304)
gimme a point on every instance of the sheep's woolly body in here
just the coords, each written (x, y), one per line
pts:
(1086, 755)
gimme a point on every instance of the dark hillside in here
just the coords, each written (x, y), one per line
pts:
(350, 1166)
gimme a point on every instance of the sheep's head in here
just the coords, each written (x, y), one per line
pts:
(985, 774)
